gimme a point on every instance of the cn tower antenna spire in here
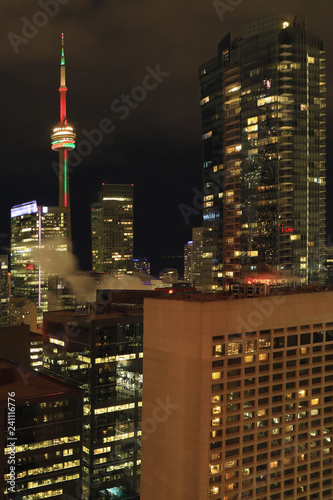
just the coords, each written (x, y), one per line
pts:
(63, 88)
(63, 140)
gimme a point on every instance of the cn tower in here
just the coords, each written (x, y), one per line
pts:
(63, 140)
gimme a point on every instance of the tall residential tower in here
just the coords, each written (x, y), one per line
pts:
(263, 118)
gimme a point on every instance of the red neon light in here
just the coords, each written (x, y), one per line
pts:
(251, 281)
(29, 266)
(63, 110)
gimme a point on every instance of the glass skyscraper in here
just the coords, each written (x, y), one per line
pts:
(35, 230)
(102, 354)
(112, 229)
(263, 118)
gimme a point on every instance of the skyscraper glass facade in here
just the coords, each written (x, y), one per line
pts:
(102, 354)
(34, 230)
(263, 116)
(112, 229)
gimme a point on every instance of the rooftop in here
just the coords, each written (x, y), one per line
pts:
(28, 383)
(215, 296)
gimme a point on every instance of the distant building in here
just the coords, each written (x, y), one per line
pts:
(47, 426)
(188, 257)
(112, 230)
(99, 348)
(36, 230)
(4, 289)
(237, 399)
(263, 103)
(36, 350)
(193, 258)
(169, 275)
(23, 311)
(141, 266)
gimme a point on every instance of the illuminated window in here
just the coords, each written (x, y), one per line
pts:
(214, 469)
(218, 350)
(252, 120)
(207, 135)
(234, 348)
(226, 56)
(204, 100)
(252, 128)
(230, 463)
(233, 149)
(311, 60)
(234, 89)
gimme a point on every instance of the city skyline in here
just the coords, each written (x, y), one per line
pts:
(159, 138)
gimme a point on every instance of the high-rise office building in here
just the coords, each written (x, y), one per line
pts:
(238, 397)
(193, 258)
(112, 229)
(35, 230)
(188, 261)
(100, 350)
(4, 289)
(40, 435)
(263, 119)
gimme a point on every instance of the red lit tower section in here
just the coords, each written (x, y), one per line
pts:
(63, 140)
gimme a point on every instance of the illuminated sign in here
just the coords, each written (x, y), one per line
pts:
(24, 209)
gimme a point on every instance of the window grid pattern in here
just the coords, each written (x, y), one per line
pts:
(271, 414)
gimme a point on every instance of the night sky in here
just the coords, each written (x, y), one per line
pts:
(157, 146)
